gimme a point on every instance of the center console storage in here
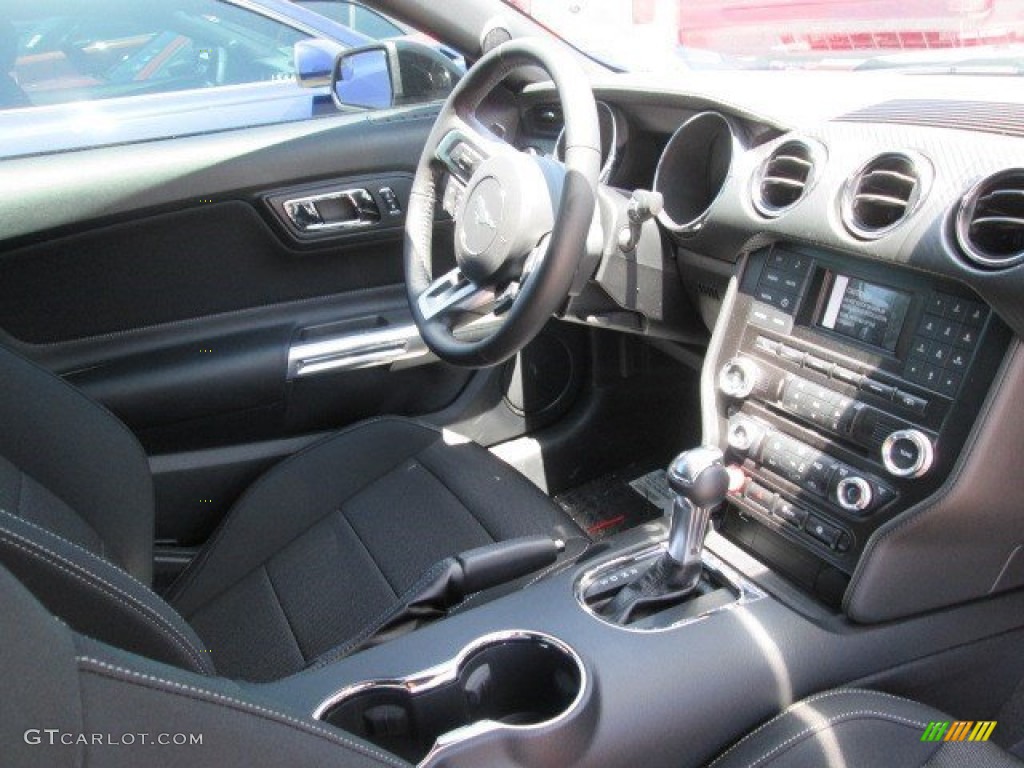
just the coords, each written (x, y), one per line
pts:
(846, 390)
(504, 685)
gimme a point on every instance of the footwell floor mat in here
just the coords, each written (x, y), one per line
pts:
(617, 501)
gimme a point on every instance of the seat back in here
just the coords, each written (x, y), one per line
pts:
(77, 517)
(70, 701)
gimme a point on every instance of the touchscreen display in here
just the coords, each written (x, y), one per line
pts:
(869, 313)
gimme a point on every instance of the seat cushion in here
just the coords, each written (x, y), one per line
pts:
(853, 728)
(326, 542)
(60, 689)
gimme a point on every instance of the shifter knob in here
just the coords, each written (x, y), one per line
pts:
(700, 481)
(699, 476)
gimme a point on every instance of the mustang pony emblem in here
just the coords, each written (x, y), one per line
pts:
(482, 215)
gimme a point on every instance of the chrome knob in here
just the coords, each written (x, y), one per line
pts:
(738, 377)
(907, 453)
(854, 494)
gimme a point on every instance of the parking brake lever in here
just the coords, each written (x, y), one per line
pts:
(495, 564)
(448, 582)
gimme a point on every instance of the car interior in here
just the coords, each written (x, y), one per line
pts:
(579, 418)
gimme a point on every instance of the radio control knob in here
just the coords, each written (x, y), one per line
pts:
(738, 377)
(743, 434)
(854, 494)
(907, 453)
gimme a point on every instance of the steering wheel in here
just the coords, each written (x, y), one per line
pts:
(520, 221)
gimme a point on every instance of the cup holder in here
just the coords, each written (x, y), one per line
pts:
(511, 681)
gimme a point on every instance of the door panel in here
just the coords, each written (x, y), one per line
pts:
(160, 281)
(170, 267)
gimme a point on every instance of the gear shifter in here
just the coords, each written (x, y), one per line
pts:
(699, 481)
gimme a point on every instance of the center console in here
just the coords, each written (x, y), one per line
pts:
(841, 393)
(845, 390)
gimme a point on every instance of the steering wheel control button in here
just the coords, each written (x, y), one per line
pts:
(907, 453)
(854, 494)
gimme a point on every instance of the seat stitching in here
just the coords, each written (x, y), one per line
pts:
(464, 505)
(129, 601)
(373, 626)
(810, 730)
(287, 620)
(188, 577)
(366, 549)
(18, 515)
(21, 490)
(95, 666)
(79, 547)
(793, 707)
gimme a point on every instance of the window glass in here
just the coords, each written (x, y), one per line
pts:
(358, 17)
(85, 54)
(86, 73)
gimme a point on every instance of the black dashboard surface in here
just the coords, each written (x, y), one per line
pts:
(865, 174)
(943, 122)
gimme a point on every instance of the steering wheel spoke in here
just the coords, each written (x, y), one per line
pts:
(519, 223)
(453, 293)
(464, 147)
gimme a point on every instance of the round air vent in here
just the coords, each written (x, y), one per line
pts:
(884, 193)
(990, 222)
(785, 177)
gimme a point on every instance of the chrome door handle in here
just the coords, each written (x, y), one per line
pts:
(344, 209)
(349, 352)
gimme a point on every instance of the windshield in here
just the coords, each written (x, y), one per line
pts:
(916, 36)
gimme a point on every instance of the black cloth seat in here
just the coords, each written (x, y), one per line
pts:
(854, 728)
(312, 558)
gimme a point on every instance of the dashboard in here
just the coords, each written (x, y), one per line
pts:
(859, 262)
